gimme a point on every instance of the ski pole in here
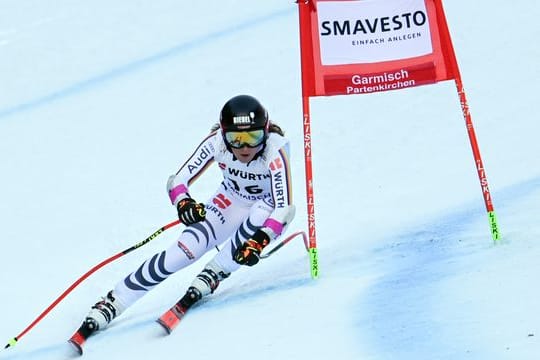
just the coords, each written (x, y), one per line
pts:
(13, 341)
(285, 241)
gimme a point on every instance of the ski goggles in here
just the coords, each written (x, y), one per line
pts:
(239, 139)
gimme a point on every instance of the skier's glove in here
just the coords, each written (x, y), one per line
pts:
(250, 251)
(190, 212)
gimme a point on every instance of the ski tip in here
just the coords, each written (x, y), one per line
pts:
(77, 340)
(164, 326)
(76, 346)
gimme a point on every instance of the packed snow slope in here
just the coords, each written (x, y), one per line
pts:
(101, 101)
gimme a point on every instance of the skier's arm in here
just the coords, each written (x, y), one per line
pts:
(178, 184)
(190, 211)
(249, 252)
(284, 210)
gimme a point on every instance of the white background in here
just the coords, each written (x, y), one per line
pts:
(101, 101)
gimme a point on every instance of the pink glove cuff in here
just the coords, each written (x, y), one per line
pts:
(275, 225)
(176, 191)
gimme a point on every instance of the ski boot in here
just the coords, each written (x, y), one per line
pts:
(100, 315)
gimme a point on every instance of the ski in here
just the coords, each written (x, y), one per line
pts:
(81, 335)
(77, 340)
(171, 318)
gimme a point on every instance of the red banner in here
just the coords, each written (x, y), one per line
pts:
(365, 46)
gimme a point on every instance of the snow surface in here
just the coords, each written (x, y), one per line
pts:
(101, 100)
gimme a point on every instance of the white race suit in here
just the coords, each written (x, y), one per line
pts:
(251, 196)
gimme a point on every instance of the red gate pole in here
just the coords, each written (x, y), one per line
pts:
(313, 256)
(494, 226)
(451, 56)
(305, 8)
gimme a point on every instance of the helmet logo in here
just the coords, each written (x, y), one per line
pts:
(244, 119)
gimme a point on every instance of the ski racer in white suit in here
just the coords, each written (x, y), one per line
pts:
(251, 207)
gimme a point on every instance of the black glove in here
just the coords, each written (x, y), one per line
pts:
(190, 212)
(250, 251)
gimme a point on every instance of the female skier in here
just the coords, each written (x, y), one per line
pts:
(251, 207)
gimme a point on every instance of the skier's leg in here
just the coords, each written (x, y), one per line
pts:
(222, 265)
(193, 243)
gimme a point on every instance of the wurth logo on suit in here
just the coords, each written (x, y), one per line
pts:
(278, 185)
(249, 185)
(276, 166)
(247, 175)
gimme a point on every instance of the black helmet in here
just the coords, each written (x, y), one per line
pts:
(243, 112)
